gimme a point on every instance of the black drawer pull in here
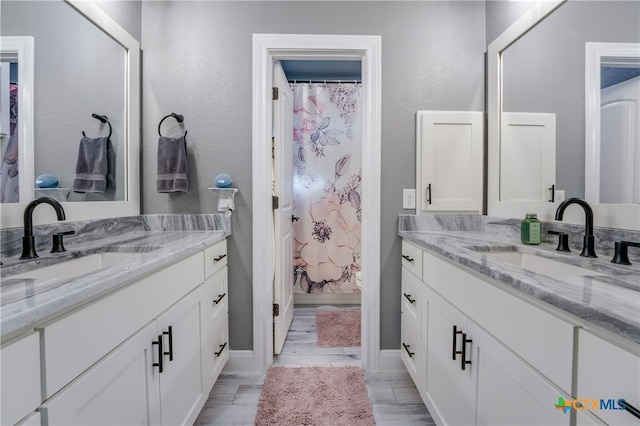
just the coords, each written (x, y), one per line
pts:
(408, 296)
(220, 297)
(217, 354)
(160, 356)
(631, 409)
(406, 348)
(170, 334)
(409, 258)
(455, 342)
(464, 361)
(219, 258)
(429, 194)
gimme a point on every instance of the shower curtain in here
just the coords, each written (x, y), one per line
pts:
(327, 187)
(9, 188)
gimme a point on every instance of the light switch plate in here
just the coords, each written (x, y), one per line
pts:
(408, 198)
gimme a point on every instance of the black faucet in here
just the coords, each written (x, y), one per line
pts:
(28, 241)
(588, 241)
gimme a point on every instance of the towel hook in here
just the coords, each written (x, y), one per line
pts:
(179, 118)
(103, 119)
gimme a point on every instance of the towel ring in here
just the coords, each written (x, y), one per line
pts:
(179, 118)
(103, 119)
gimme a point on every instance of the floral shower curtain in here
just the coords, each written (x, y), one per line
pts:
(327, 187)
(9, 188)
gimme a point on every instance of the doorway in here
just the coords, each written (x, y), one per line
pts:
(268, 48)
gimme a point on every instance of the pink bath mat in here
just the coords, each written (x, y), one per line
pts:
(338, 328)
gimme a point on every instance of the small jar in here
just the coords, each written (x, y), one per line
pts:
(531, 229)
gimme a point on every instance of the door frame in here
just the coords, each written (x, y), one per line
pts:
(266, 49)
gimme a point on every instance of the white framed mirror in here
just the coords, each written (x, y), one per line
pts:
(125, 199)
(570, 153)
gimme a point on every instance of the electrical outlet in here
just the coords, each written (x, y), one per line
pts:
(408, 198)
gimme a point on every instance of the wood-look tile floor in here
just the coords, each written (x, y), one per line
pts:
(234, 398)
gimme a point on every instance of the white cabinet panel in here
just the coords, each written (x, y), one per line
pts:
(527, 156)
(608, 372)
(412, 258)
(412, 301)
(449, 158)
(122, 389)
(215, 258)
(180, 382)
(20, 369)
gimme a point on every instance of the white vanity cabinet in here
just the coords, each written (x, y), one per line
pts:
(489, 355)
(139, 355)
(20, 370)
(449, 155)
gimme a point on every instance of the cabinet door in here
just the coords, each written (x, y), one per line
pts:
(450, 390)
(20, 368)
(121, 389)
(509, 391)
(181, 380)
(450, 160)
(609, 373)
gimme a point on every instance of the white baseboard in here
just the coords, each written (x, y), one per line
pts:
(390, 360)
(240, 362)
(326, 299)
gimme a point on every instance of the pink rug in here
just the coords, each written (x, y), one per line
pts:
(330, 396)
(338, 329)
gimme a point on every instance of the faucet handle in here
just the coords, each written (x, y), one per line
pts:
(621, 255)
(58, 243)
(563, 241)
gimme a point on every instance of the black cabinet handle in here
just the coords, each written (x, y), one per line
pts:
(455, 351)
(408, 296)
(220, 296)
(160, 354)
(464, 361)
(408, 258)
(219, 258)
(170, 334)
(217, 354)
(406, 348)
(553, 193)
(429, 194)
(631, 409)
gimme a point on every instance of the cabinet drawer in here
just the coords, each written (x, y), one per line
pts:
(77, 341)
(519, 325)
(412, 258)
(412, 300)
(413, 354)
(608, 372)
(215, 257)
(20, 378)
(215, 354)
(216, 299)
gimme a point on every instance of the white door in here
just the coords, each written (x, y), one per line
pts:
(283, 214)
(620, 143)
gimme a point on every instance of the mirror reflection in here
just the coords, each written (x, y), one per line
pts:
(80, 71)
(543, 77)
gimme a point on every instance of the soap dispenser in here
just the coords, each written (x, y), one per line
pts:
(531, 229)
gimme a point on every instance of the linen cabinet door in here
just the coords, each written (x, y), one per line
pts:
(121, 389)
(450, 389)
(181, 379)
(509, 391)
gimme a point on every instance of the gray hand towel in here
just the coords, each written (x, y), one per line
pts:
(94, 168)
(172, 165)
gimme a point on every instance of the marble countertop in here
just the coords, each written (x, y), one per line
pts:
(27, 302)
(610, 298)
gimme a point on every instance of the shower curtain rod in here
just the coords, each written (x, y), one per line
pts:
(345, 81)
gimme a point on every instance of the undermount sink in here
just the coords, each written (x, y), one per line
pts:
(78, 267)
(540, 265)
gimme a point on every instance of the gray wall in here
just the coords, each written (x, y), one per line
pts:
(197, 62)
